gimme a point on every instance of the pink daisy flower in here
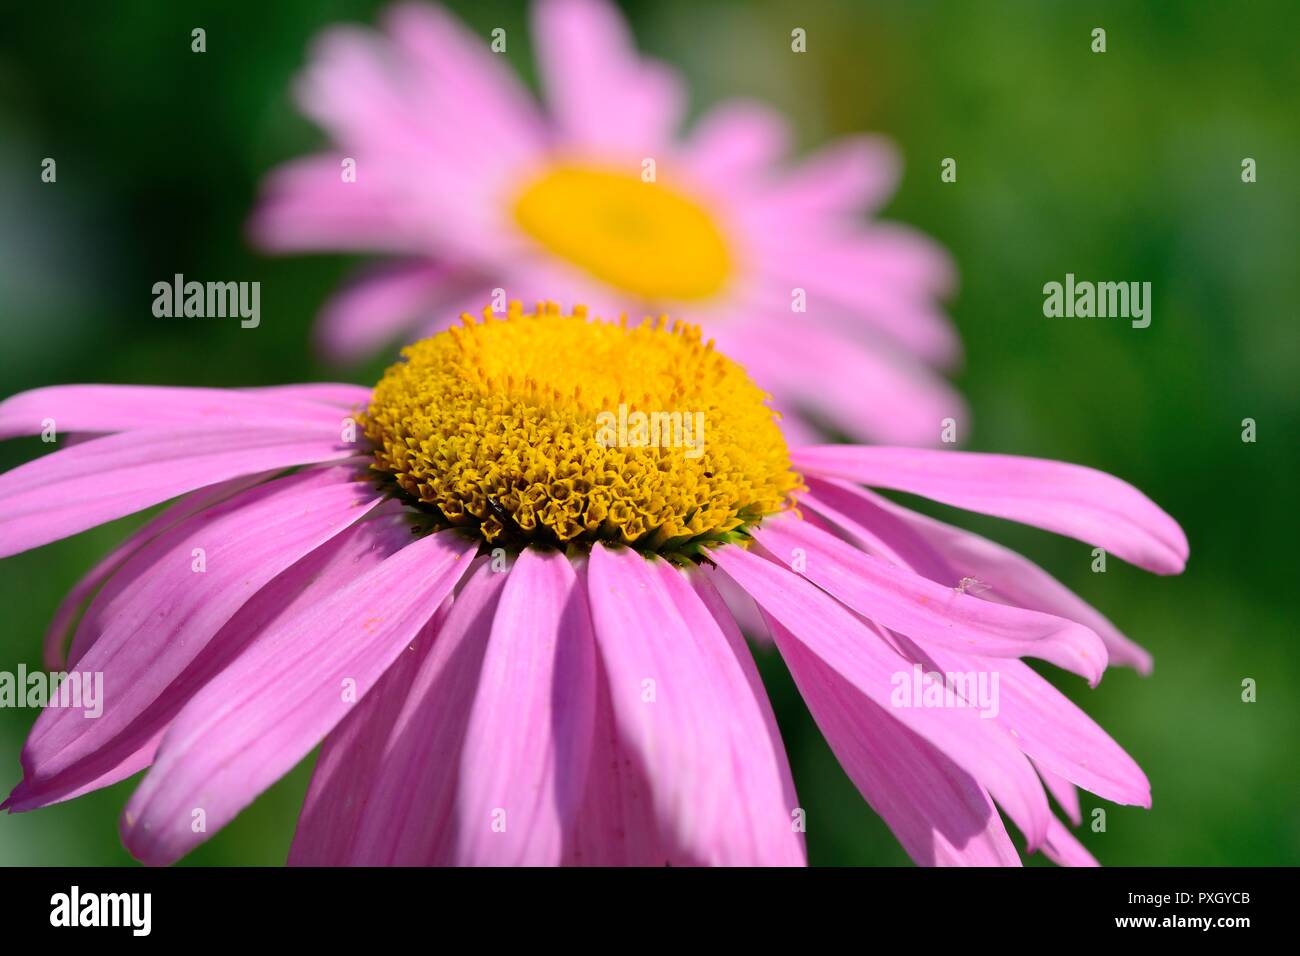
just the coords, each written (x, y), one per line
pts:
(507, 608)
(442, 160)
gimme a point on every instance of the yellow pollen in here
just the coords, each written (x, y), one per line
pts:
(556, 429)
(645, 238)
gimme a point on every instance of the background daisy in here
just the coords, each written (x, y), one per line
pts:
(442, 160)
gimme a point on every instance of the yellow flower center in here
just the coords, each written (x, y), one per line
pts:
(555, 429)
(643, 237)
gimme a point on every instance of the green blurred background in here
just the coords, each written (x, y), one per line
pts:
(1124, 165)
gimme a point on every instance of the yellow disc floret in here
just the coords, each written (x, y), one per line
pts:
(651, 239)
(553, 428)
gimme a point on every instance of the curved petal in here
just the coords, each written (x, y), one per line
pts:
(686, 709)
(1072, 500)
(144, 632)
(132, 747)
(873, 393)
(601, 92)
(384, 789)
(68, 786)
(377, 306)
(427, 165)
(911, 604)
(88, 484)
(54, 654)
(705, 586)
(348, 397)
(842, 293)
(741, 608)
(617, 825)
(948, 554)
(939, 813)
(854, 174)
(276, 702)
(118, 408)
(1063, 849)
(469, 91)
(738, 138)
(350, 758)
(528, 743)
(1048, 726)
(307, 206)
(861, 656)
(1064, 792)
(900, 257)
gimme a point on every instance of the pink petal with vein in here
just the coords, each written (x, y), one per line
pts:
(278, 700)
(1080, 502)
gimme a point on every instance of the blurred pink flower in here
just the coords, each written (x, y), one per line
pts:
(454, 171)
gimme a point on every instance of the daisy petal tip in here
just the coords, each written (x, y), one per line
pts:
(141, 842)
(1177, 564)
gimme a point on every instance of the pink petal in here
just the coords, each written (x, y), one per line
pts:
(602, 94)
(465, 88)
(873, 393)
(1080, 502)
(862, 657)
(617, 825)
(528, 743)
(144, 632)
(705, 585)
(351, 756)
(440, 129)
(117, 408)
(318, 575)
(1050, 728)
(1044, 722)
(696, 728)
(353, 86)
(738, 138)
(307, 206)
(853, 175)
(378, 306)
(384, 789)
(947, 554)
(348, 397)
(842, 291)
(1064, 792)
(896, 256)
(68, 786)
(88, 484)
(267, 710)
(939, 814)
(54, 655)
(741, 608)
(904, 601)
(1063, 849)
